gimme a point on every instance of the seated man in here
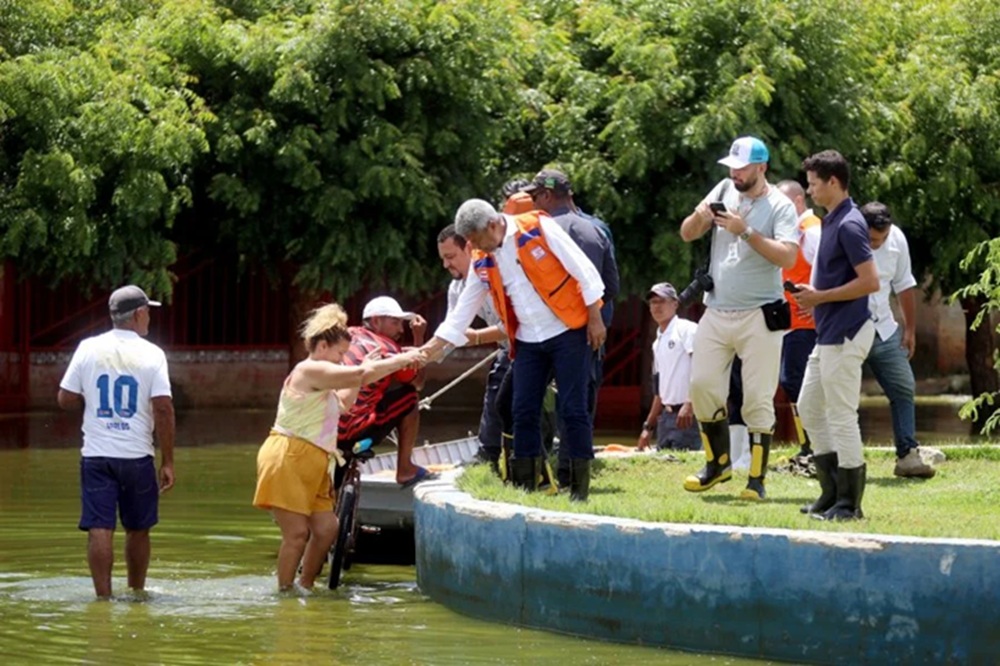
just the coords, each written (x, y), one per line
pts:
(390, 402)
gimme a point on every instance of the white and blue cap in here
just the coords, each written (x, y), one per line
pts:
(745, 150)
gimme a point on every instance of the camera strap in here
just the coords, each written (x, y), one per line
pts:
(711, 239)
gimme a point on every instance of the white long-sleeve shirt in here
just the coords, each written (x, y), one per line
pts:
(535, 321)
(894, 277)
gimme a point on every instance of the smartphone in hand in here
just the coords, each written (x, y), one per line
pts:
(790, 287)
(717, 207)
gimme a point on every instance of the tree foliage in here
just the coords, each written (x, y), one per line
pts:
(329, 140)
(984, 408)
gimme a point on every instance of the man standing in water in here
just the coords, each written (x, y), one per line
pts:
(120, 383)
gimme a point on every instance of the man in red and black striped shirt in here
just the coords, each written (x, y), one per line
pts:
(390, 402)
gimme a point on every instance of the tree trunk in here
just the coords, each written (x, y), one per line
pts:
(980, 347)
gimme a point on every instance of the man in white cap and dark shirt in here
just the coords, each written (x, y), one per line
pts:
(671, 415)
(120, 383)
(754, 237)
(391, 402)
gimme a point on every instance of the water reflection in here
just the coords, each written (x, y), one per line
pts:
(212, 592)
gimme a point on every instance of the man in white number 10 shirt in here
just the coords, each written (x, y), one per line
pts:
(120, 383)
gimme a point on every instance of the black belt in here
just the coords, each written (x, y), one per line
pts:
(670, 409)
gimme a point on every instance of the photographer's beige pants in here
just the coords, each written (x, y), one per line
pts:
(831, 390)
(723, 334)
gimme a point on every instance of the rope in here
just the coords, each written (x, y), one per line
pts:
(426, 402)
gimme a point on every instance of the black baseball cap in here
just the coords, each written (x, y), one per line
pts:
(128, 298)
(550, 179)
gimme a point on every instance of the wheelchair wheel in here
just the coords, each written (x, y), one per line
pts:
(339, 555)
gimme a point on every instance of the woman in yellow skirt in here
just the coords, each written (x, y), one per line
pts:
(293, 480)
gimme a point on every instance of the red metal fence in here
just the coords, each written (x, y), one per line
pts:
(215, 305)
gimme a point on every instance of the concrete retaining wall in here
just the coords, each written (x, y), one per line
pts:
(803, 596)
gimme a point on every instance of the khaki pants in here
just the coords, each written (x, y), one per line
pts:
(722, 335)
(831, 390)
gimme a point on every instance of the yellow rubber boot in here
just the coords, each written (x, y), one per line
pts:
(760, 448)
(718, 467)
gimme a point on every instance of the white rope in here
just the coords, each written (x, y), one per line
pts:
(426, 402)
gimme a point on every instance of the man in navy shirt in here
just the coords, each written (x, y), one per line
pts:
(843, 276)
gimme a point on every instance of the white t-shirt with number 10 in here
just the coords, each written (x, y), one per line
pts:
(118, 373)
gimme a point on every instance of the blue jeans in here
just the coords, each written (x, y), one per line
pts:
(669, 436)
(795, 349)
(888, 362)
(489, 422)
(596, 377)
(568, 357)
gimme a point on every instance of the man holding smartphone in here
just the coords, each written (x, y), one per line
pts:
(844, 274)
(754, 237)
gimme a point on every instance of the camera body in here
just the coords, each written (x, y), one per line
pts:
(701, 282)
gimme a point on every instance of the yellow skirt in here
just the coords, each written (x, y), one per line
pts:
(292, 474)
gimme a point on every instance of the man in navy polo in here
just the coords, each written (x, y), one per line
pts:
(843, 276)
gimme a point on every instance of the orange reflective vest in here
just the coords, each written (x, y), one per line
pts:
(800, 273)
(557, 288)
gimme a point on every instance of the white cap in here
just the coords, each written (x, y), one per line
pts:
(385, 306)
(744, 151)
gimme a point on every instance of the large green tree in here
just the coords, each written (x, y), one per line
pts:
(98, 145)
(638, 100)
(328, 141)
(939, 167)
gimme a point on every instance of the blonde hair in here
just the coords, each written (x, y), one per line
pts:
(327, 322)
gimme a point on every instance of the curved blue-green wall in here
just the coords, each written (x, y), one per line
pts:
(778, 594)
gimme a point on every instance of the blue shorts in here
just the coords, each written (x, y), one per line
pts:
(126, 484)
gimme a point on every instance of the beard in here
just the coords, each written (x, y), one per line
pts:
(747, 184)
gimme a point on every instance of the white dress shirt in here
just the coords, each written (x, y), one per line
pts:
(535, 321)
(894, 276)
(672, 352)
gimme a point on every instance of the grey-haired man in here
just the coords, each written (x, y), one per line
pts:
(548, 295)
(120, 383)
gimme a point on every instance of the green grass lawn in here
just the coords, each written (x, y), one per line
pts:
(962, 500)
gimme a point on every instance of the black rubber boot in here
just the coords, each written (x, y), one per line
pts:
(525, 472)
(718, 467)
(760, 451)
(850, 490)
(503, 463)
(579, 479)
(826, 474)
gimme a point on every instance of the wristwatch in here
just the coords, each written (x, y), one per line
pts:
(647, 427)
(747, 233)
